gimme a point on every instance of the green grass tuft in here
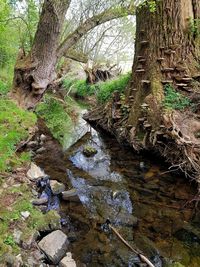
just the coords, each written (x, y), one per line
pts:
(102, 90)
(14, 127)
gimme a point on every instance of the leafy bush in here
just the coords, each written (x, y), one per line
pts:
(174, 100)
(107, 88)
(14, 126)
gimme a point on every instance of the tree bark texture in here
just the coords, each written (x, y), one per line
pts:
(35, 71)
(167, 52)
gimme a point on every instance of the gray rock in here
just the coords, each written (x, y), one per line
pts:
(40, 201)
(40, 150)
(17, 236)
(54, 245)
(57, 187)
(67, 195)
(35, 172)
(25, 214)
(43, 137)
(67, 261)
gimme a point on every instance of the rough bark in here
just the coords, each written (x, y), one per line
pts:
(166, 52)
(35, 71)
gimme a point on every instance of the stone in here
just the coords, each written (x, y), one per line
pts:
(54, 245)
(35, 172)
(40, 150)
(57, 187)
(188, 234)
(17, 236)
(43, 137)
(40, 201)
(89, 151)
(67, 261)
(70, 194)
(25, 214)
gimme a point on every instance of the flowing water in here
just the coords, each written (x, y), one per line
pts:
(144, 202)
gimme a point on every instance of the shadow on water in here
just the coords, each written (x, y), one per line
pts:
(145, 204)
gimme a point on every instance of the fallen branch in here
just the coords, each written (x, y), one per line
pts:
(141, 256)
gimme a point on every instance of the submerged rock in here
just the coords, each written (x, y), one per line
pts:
(188, 234)
(56, 187)
(70, 194)
(35, 172)
(89, 151)
(40, 201)
(67, 261)
(54, 245)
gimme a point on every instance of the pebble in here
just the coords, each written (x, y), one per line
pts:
(25, 214)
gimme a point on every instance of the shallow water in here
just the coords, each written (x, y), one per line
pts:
(143, 201)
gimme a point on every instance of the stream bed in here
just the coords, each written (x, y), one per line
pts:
(151, 208)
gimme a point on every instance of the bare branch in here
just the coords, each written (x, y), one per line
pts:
(91, 23)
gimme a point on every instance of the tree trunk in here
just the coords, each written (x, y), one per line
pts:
(167, 52)
(35, 71)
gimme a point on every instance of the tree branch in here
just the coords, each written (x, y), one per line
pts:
(77, 56)
(91, 23)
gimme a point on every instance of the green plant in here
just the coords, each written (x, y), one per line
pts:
(3, 88)
(14, 126)
(107, 88)
(57, 117)
(9, 241)
(194, 26)
(174, 100)
(151, 4)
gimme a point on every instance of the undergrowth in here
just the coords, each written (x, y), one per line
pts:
(102, 90)
(14, 127)
(11, 215)
(58, 116)
(175, 100)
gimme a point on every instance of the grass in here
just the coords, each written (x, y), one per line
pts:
(102, 90)
(14, 127)
(11, 218)
(175, 100)
(4, 88)
(58, 116)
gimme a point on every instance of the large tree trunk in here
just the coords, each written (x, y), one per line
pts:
(35, 71)
(167, 52)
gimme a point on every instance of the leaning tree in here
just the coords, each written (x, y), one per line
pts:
(161, 109)
(35, 72)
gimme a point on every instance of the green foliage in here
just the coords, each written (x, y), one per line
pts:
(195, 26)
(107, 88)
(14, 126)
(10, 241)
(56, 116)
(4, 88)
(151, 4)
(102, 90)
(174, 100)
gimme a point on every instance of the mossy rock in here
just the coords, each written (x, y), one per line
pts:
(89, 151)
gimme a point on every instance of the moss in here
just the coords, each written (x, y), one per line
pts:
(14, 127)
(89, 151)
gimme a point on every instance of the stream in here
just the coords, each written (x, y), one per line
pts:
(149, 206)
